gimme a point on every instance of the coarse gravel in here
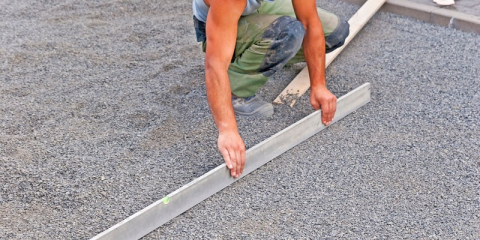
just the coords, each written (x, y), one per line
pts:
(103, 111)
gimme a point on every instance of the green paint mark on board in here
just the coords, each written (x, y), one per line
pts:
(166, 199)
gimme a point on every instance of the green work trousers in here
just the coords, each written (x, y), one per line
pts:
(271, 38)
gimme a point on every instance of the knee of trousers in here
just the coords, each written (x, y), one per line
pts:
(337, 38)
(285, 28)
(286, 36)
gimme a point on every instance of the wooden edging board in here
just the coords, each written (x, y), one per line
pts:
(300, 84)
(179, 201)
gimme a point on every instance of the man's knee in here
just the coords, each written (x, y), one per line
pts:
(337, 38)
(287, 29)
(286, 35)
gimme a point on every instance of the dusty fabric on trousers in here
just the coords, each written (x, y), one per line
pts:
(266, 41)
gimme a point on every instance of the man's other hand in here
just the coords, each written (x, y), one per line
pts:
(322, 98)
(232, 148)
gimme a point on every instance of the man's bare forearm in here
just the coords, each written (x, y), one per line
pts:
(219, 96)
(314, 51)
(230, 143)
(221, 34)
(314, 40)
(221, 29)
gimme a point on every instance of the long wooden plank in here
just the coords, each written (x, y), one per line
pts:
(300, 84)
(177, 202)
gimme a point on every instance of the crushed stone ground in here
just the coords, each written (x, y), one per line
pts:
(103, 111)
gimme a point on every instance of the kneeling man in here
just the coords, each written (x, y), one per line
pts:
(246, 42)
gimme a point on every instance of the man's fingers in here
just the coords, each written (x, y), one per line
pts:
(229, 161)
(328, 115)
(325, 114)
(226, 157)
(334, 108)
(242, 158)
(233, 171)
(241, 161)
(328, 112)
(322, 98)
(231, 147)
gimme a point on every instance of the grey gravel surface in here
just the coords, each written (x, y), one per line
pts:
(103, 111)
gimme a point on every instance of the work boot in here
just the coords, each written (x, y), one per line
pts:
(252, 106)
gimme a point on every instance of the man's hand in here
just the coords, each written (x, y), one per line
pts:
(322, 98)
(232, 148)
